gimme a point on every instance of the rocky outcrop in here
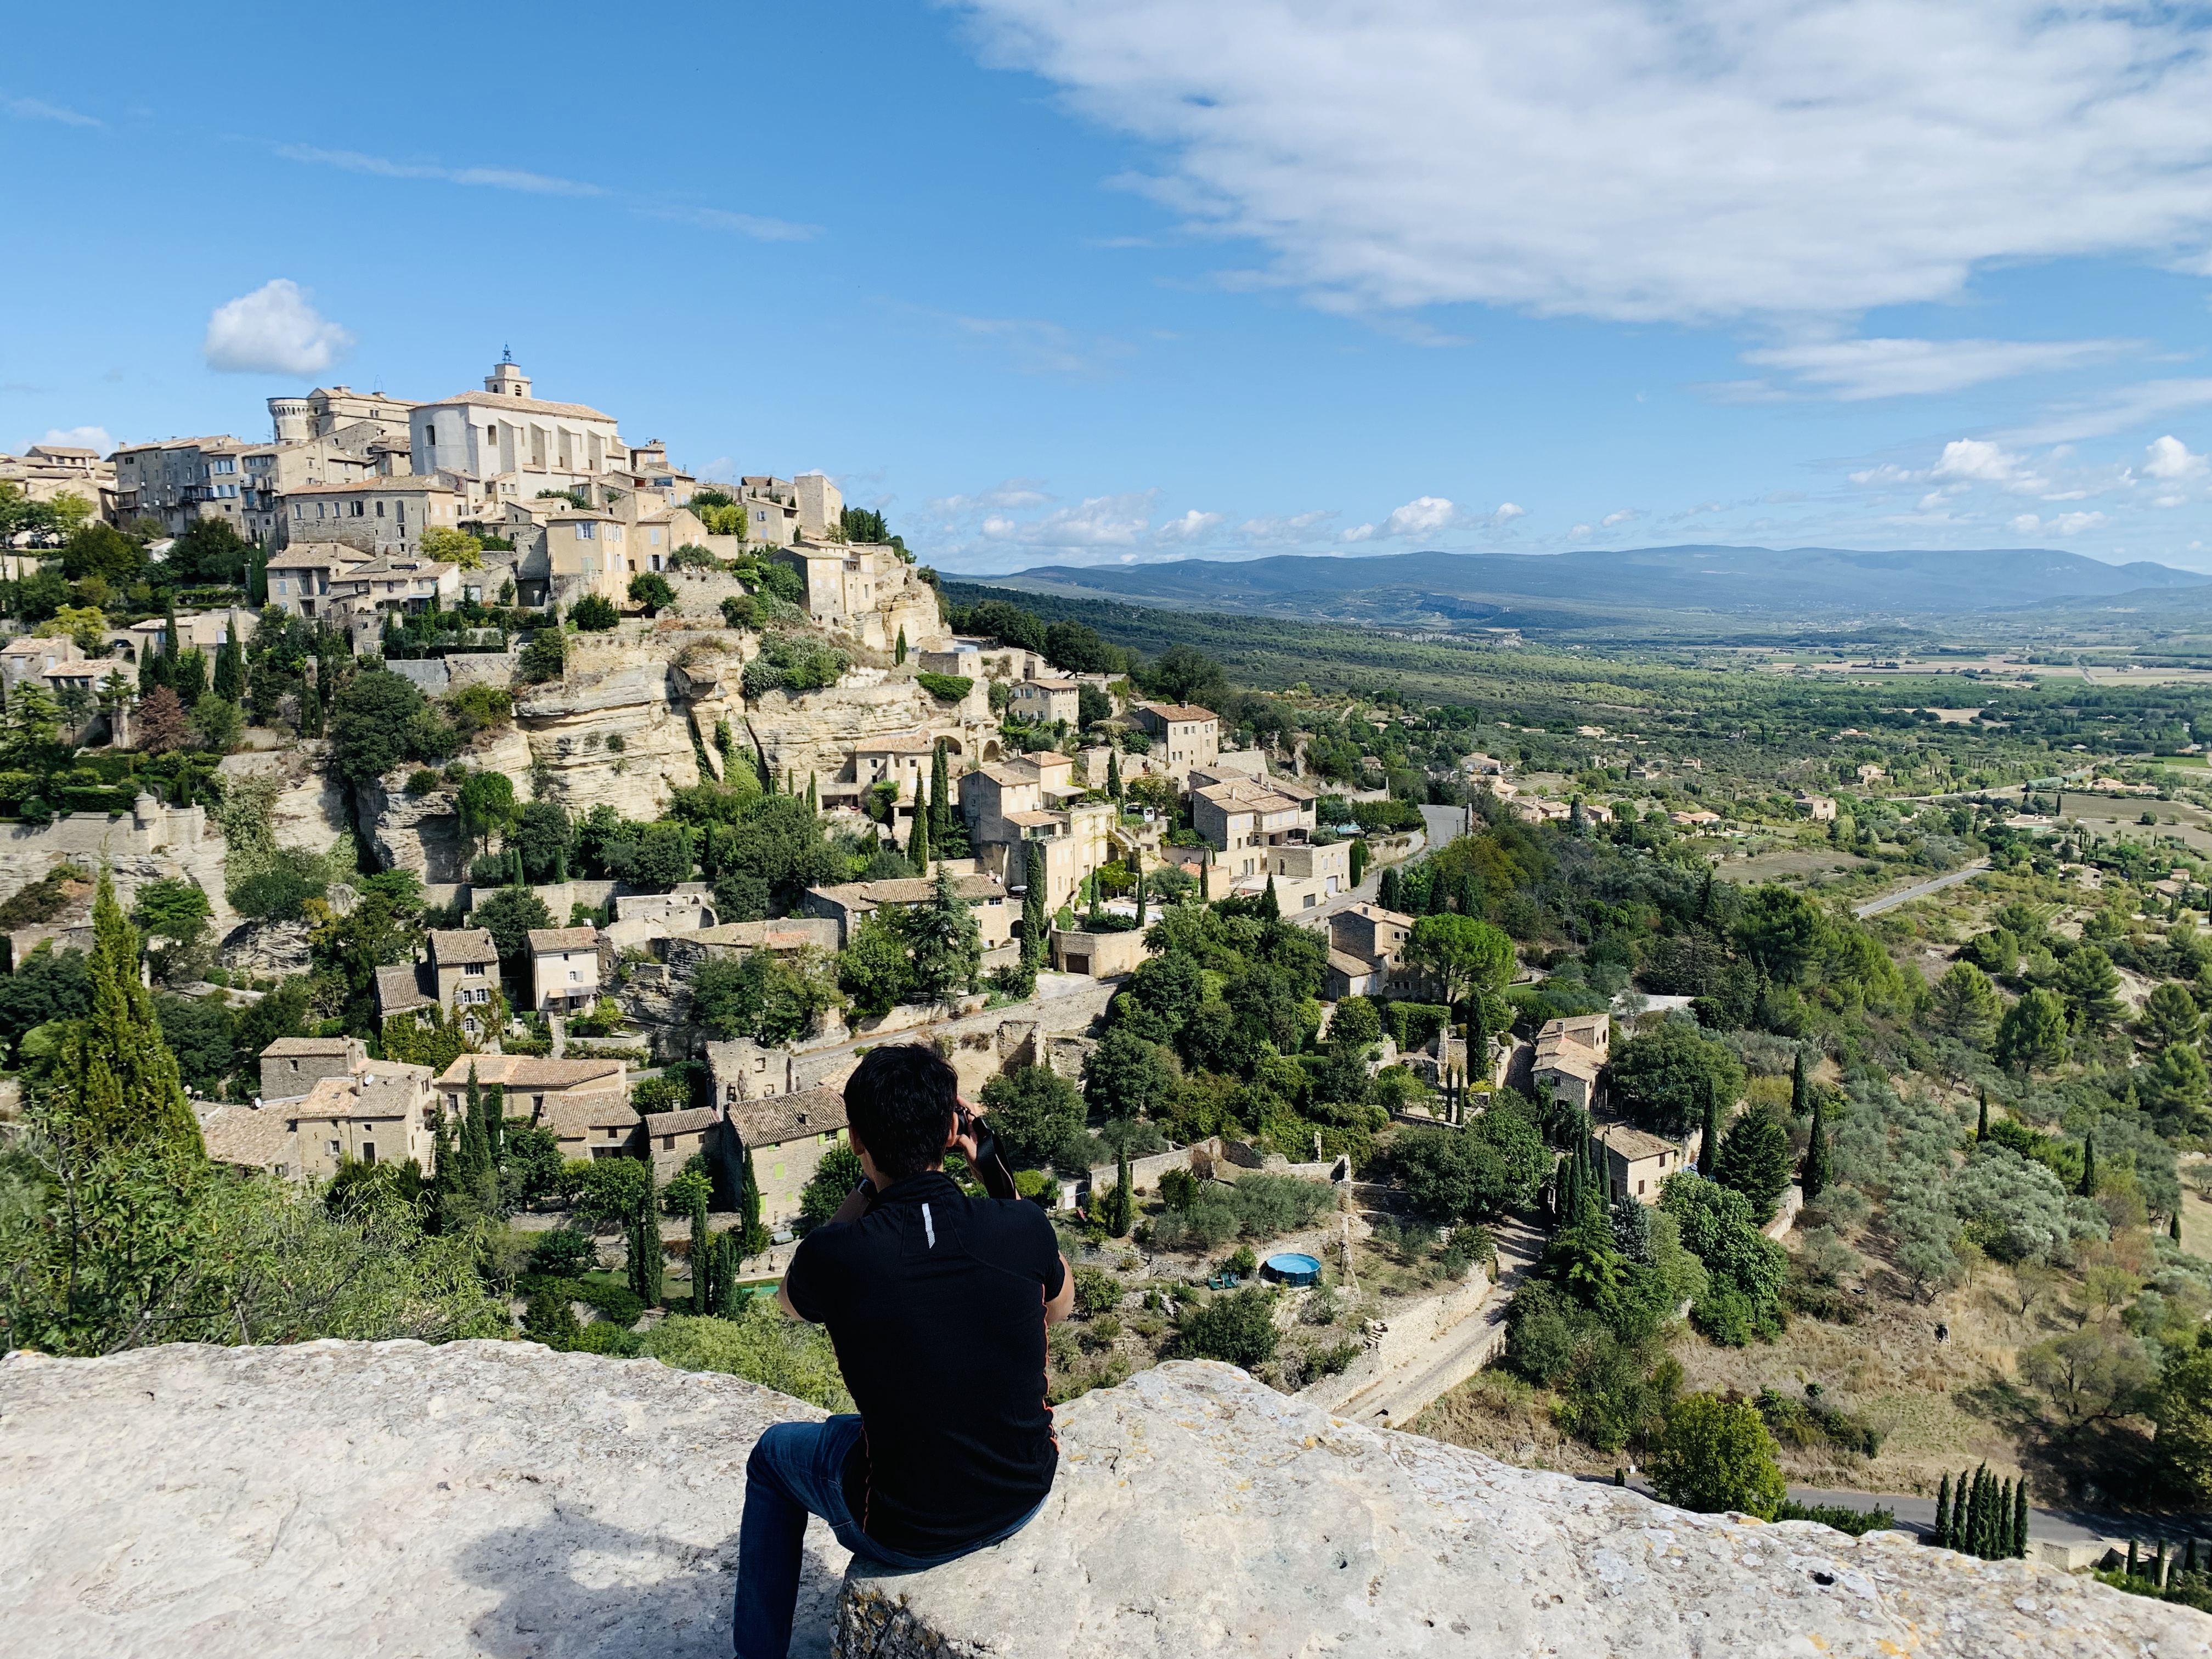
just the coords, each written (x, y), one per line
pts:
(623, 695)
(268, 950)
(496, 1498)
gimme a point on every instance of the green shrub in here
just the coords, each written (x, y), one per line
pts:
(1856, 1523)
(946, 688)
(421, 781)
(1096, 1291)
(759, 1344)
(1239, 1327)
(593, 615)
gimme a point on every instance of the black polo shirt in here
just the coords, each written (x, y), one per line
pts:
(935, 1302)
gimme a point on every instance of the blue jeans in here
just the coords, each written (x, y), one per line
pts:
(797, 1469)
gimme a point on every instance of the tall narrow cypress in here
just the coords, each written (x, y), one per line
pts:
(645, 1271)
(1942, 1534)
(1709, 1150)
(917, 845)
(1113, 774)
(755, 1237)
(1035, 924)
(2019, 1522)
(2088, 1187)
(1141, 891)
(1982, 1123)
(1271, 909)
(703, 1258)
(122, 1080)
(939, 793)
(1819, 1167)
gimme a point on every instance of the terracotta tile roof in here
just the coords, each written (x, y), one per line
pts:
(1177, 711)
(535, 405)
(689, 1120)
(783, 1118)
(1345, 962)
(246, 1136)
(564, 938)
(527, 1071)
(287, 1047)
(399, 990)
(459, 946)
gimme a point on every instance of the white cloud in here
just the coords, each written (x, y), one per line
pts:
(1009, 496)
(1851, 371)
(1103, 521)
(1974, 460)
(1192, 526)
(81, 437)
(1607, 158)
(2063, 523)
(745, 224)
(1294, 530)
(37, 109)
(1507, 512)
(2169, 458)
(273, 331)
(1625, 515)
(2114, 411)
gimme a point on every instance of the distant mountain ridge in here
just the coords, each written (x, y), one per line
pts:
(1395, 589)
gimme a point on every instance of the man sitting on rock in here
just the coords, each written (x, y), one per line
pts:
(938, 1304)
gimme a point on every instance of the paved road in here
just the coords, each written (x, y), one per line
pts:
(1917, 1515)
(1891, 901)
(1445, 822)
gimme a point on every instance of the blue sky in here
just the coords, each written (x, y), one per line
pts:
(1088, 281)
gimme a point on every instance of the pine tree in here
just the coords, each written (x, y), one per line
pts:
(122, 1080)
(1270, 908)
(1982, 1123)
(2088, 1187)
(1036, 923)
(1112, 775)
(1708, 1148)
(1942, 1534)
(917, 845)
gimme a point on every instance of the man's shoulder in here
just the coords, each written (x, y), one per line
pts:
(1014, 1220)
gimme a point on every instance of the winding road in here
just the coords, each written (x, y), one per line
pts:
(1905, 896)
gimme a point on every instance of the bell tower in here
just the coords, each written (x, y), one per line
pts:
(505, 379)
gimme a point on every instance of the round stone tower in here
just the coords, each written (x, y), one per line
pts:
(292, 419)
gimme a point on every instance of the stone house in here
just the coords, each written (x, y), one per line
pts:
(465, 973)
(788, 1137)
(379, 516)
(1635, 1163)
(564, 968)
(586, 1102)
(1183, 736)
(399, 584)
(849, 902)
(1245, 819)
(1101, 955)
(354, 1109)
(1046, 701)
(1571, 1056)
(180, 482)
(1822, 809)
(1011, 804)
(303, 577)
(1366, 955)
(290, 1067)
(902, 759)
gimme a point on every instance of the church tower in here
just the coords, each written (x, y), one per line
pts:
(505, 379)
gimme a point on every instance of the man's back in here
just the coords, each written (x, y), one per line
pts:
(936, 1303)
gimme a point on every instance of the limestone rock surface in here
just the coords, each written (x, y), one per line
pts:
(495, 1498)
(338, 1499)
(1198, 1512)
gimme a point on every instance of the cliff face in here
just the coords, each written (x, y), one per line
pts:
(496, 1498)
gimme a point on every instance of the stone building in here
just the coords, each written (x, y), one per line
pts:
(1046, 701)
(379, 516)
(337, 1106)
(181, 481)
(1183, 736)
(394, 584)
(1245, 819)
(292, 1066)
(512, 441)
(564, 968)
(848, 903)
(1571, 1056)
(1366, 955)
(585, 1102)
(1635, 1163)
(305, 577)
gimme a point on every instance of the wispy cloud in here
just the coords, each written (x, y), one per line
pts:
(1031, 344)
(1853, 371)
(2113, 412)
(37, 109)
(759, 228)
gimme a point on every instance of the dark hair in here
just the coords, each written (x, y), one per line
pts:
(901, 1103)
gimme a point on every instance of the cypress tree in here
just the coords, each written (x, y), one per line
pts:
(1206, 884)
(1270, 908)
(939, 793)
(122, 1079)
(1818, 1169)
(1478, 1038)
(2019, 1522)
(310, 712)
(1391, 893)
(917, 844)
(2173, 1226)
(755, 1235)
(1113, 774)
(2088, 1187)
(2131, 1558)
(703, 1258)
(1358, 858)
(1140, 893)
(813, 796)
(1970, 1529)
(2188, 1559)
(1708, 1148)
(1982, 1123)
(494, 1122)
(898, 651)
(1942, 1534)
(645, 1274)
(230, 668)
(1035, 924)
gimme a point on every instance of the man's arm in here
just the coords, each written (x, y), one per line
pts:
(1059, 1307)
(854, 1206)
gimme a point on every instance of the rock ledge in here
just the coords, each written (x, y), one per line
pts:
(495, 1498)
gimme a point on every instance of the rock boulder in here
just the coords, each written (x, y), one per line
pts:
(495, 1498)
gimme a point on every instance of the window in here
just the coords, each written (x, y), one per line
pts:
(368, 1152)
(575, 976)
(584, 531)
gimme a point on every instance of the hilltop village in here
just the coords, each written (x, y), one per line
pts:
(482, 817)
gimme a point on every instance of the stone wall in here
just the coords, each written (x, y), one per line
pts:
(1410, 1329)
(496, 1498)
